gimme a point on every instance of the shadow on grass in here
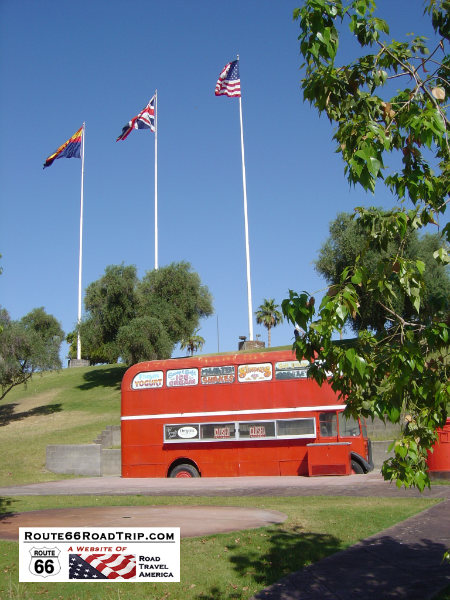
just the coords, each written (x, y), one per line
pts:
(376, 568)
(111, 378)
(383, 567)
(7, 414)
(287, 552)
(5, 507)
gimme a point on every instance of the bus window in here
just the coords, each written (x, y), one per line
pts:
(256, 429)
(328, 426)
(348, 426)
(297, 428)
(218, 431)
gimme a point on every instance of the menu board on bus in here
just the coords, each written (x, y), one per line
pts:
(147, 379)
(291, 369)
(213, 375)
(256, 372)
(182, 377)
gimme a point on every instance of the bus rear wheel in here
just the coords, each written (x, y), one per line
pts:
(184, 471)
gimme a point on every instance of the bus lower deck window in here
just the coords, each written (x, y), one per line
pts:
(296, 427)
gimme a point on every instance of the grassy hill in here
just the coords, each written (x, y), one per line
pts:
(71, 406)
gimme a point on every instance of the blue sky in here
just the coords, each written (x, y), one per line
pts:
(100, 61)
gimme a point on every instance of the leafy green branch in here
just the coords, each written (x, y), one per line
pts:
(401, 367)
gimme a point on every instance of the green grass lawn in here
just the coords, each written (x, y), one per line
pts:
(74, 406)
(71, 406)
(226, 566)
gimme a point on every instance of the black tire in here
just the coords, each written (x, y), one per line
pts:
(184, 470)
(357, 468)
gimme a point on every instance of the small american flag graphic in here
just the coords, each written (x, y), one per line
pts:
(102, 566)
(229, 83)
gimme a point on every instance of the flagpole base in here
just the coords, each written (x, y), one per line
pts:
(78, 362)
(250, 345)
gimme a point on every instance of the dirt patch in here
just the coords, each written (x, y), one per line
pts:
(43, 423)
(193, 520)
(29, 403)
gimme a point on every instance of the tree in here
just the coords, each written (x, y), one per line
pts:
(167, 304)
(176, 295)
(110, 303)
(193, 343)
(269, 316)
(403, 369)
(27, 346)
(144, 338)
(348, 240)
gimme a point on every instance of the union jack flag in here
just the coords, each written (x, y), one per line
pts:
(229, 83)
(102, 566)
(144, 120)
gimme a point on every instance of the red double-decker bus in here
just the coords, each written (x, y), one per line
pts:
(236, 415)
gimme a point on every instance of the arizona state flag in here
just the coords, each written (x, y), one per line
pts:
(70, 149)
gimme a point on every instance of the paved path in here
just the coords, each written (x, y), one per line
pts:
(352, 485)
(402, 562)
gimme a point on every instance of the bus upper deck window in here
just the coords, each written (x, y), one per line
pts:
(327, 423)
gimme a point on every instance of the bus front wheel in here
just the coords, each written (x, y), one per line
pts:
(357, 468)
(184, 471)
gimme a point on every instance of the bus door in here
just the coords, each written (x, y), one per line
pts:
(327, 427)
(350, 431)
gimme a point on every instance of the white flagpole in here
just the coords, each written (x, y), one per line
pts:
(156, 180)
(247, 247)
(80, 259)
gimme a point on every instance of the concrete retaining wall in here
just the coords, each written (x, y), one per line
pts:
(380, 453)
(74, 459)
(378, 430)
(92, 460)
(83, 459)
(111, 462)
(109, 437)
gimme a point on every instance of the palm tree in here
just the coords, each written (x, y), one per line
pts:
(268, 315)
(193, 343)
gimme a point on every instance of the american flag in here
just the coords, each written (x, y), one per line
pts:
(144, 120)
(102, 566)
(229, 83)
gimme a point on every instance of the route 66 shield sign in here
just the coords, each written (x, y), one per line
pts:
(44, 561)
